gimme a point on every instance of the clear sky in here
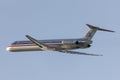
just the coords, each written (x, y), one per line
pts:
(53, 19)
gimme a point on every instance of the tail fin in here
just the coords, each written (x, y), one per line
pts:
(93, 30)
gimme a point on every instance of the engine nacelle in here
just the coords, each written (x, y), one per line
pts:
(67, 42)
(77, 42)
(83, 42)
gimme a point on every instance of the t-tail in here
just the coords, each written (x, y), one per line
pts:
(93, 30)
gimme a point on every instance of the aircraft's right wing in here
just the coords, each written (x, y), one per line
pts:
(79, 53)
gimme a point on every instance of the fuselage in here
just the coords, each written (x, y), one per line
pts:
(59, 44)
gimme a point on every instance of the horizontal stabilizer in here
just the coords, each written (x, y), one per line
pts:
(97, 28)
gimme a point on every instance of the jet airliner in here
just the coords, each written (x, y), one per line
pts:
(60, 45)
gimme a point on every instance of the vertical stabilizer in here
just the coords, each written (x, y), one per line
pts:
(89, 35)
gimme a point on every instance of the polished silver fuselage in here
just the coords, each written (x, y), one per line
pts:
(58, 44)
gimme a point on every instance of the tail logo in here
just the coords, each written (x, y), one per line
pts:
(89, 34)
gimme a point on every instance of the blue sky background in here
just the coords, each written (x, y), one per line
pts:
(53, 19)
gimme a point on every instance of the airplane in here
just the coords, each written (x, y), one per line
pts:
(60, 45)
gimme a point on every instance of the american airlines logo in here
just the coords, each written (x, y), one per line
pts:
(89, 34)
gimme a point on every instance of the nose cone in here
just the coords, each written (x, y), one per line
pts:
(8, 49)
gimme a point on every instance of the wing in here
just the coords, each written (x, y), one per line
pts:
(79, 53)
(38, 43)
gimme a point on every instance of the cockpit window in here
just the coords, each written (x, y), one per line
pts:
(14, 42)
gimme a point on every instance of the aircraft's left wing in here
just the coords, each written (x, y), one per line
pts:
(41, 45)
(79, 53)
